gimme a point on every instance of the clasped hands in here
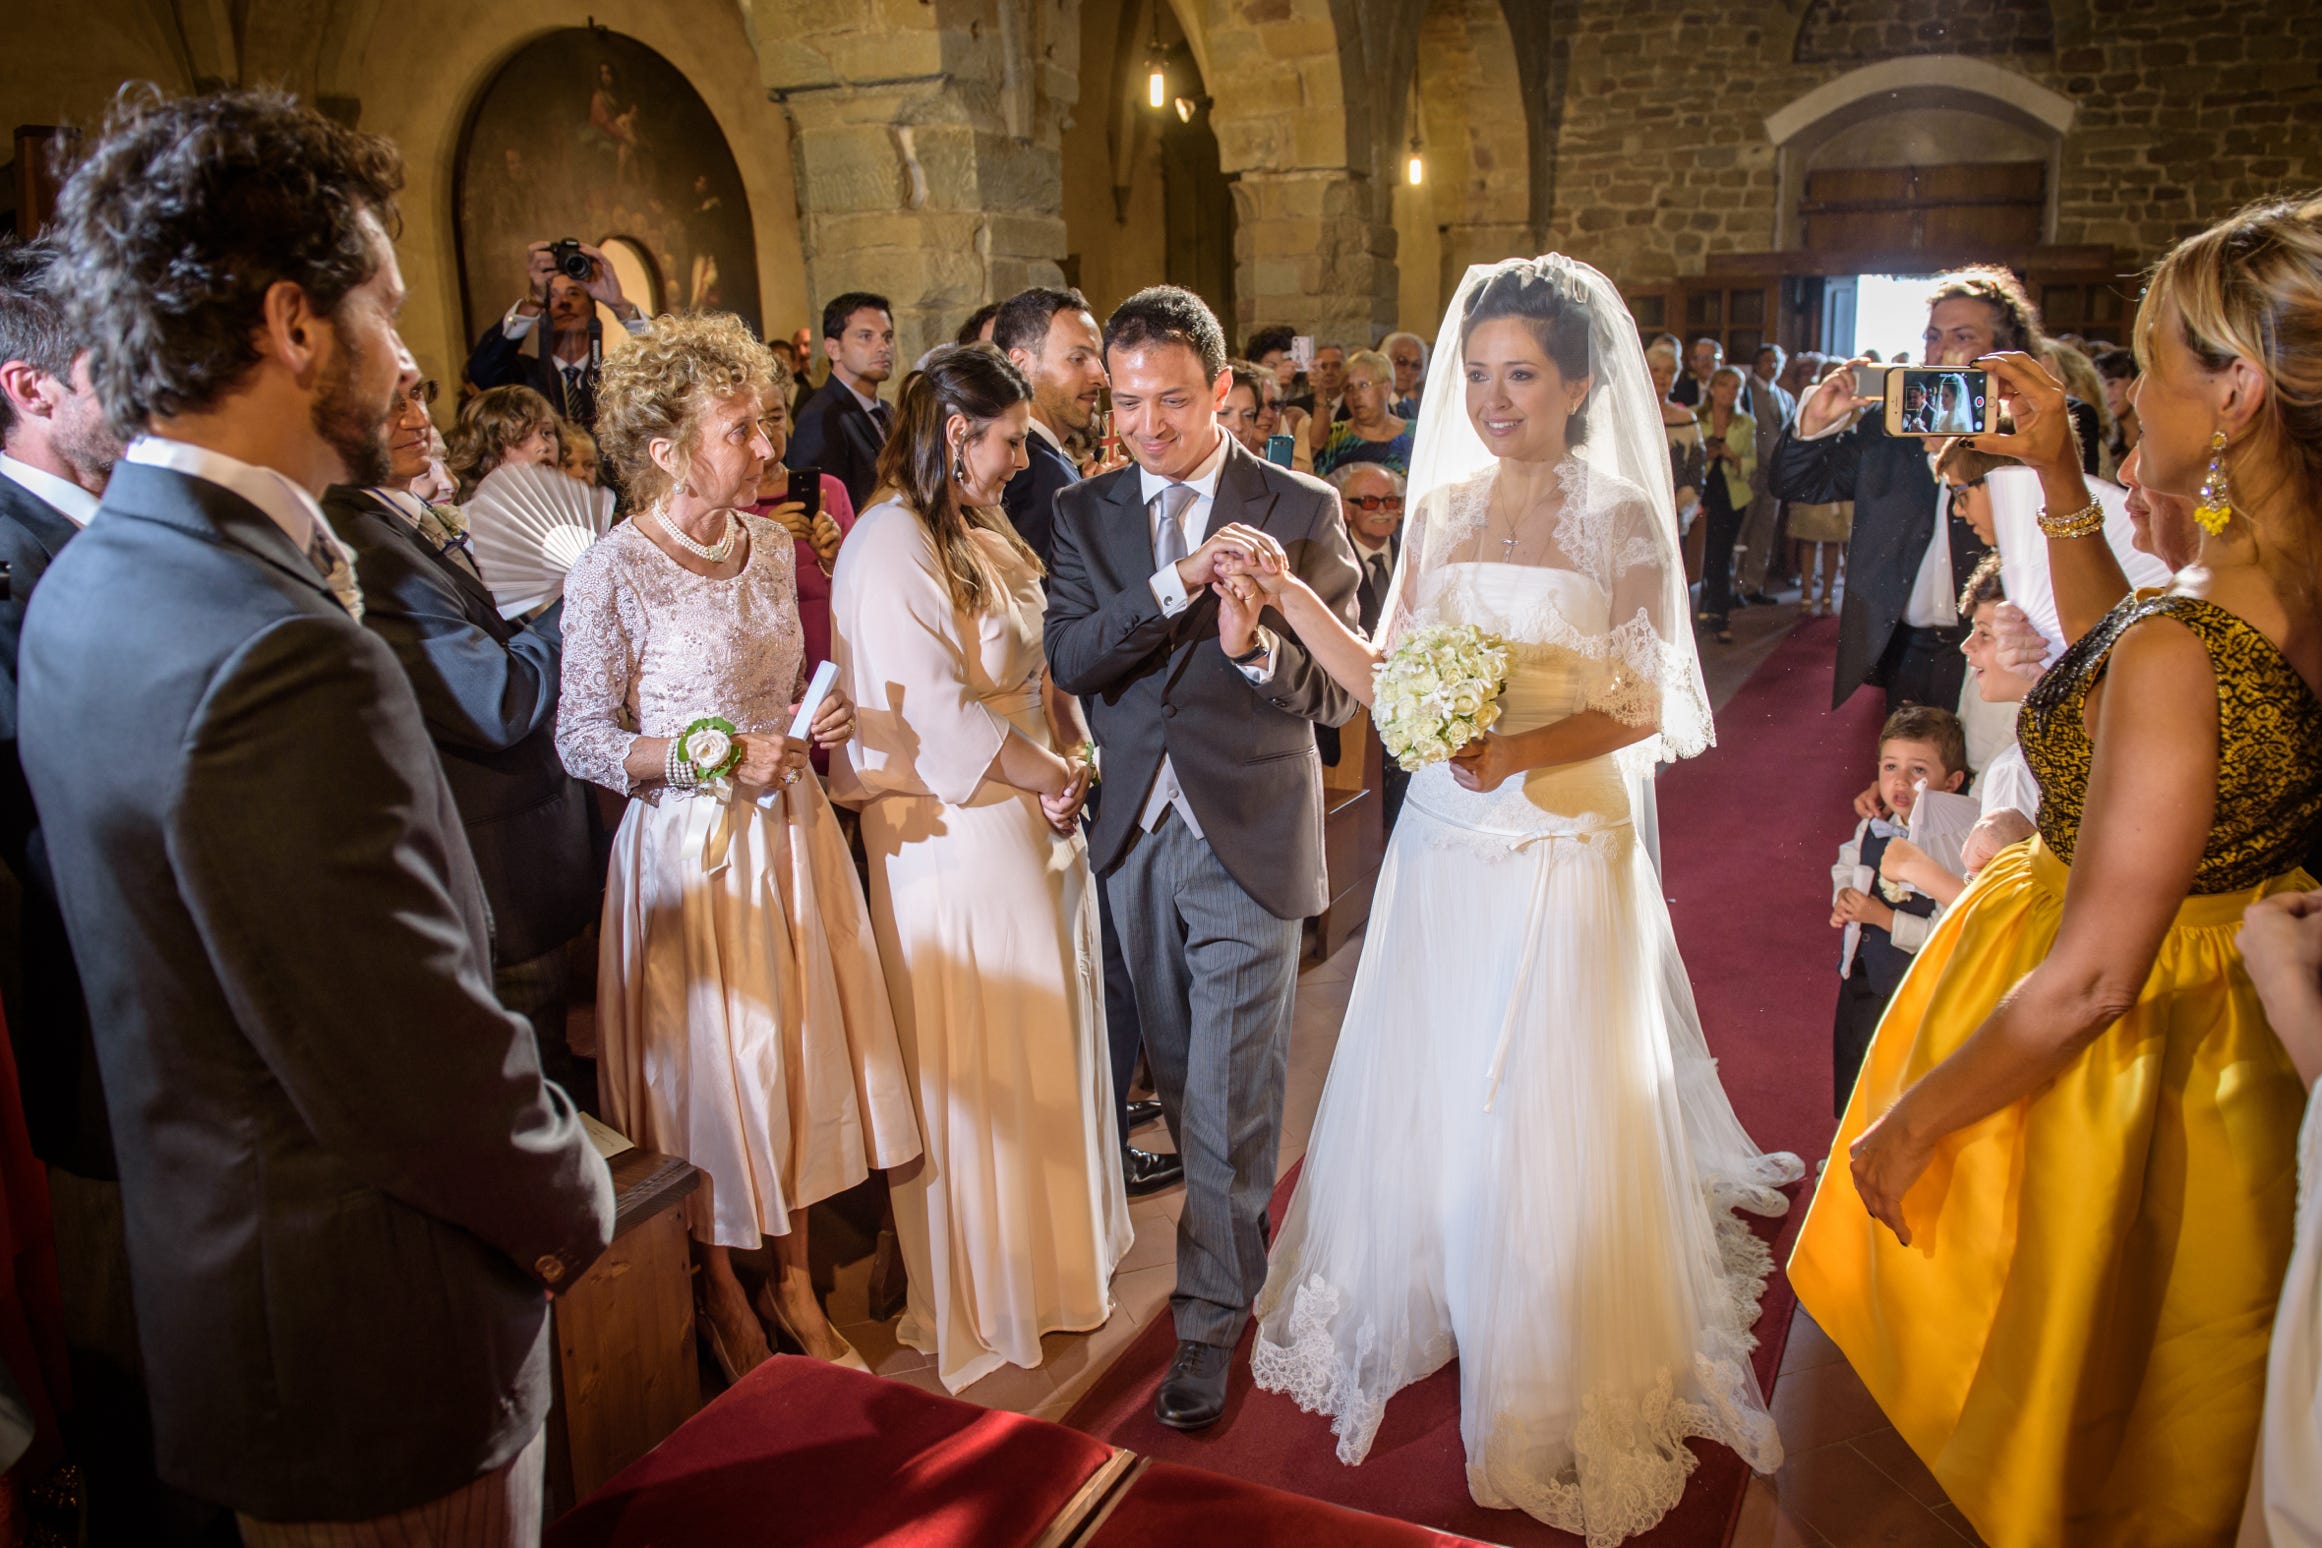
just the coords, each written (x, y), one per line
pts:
(819, 531)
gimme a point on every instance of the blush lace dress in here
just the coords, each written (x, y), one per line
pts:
(742, 1018)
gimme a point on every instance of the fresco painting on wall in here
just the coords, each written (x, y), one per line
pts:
(586, 133)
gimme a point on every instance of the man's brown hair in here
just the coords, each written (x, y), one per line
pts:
(185, 212)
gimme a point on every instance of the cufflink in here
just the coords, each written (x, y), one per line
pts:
(549, 1267)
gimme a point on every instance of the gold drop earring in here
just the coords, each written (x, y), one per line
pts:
(2216, 507)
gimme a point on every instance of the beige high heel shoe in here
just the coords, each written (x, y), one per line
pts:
(732, 1364)
(771, 1310)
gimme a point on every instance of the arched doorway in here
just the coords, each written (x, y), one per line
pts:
(1145, 197)
(590, 134)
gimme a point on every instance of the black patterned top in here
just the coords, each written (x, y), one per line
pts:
(2269, 779)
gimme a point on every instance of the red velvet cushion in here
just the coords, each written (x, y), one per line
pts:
(805, 1454)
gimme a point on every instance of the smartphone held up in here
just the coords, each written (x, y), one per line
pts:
(1931, 400)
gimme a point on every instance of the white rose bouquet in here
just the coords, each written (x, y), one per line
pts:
(1438, 690)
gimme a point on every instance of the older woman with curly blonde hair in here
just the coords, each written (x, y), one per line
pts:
(742, 1018)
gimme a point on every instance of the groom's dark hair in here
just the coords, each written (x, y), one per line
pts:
(1166, 314)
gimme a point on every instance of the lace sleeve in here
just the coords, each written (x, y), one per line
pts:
(594, 725)
(1637, 657)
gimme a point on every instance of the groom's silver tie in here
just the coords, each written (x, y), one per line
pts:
(1168, 507)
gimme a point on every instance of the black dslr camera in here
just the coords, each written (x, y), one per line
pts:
(567, 256)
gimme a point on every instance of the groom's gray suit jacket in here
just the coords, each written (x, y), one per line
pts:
(1244, 752)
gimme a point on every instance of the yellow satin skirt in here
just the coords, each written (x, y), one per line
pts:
(2075, 1340)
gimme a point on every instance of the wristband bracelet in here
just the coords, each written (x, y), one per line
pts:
(2085, 522)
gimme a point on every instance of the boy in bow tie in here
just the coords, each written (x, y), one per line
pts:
(1885, 922)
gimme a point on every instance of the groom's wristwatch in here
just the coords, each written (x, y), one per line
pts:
(1258, 648)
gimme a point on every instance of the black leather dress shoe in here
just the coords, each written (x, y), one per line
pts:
(1148, 1171)
(1193, 1394)
(1143, 1113)
(1761, 599)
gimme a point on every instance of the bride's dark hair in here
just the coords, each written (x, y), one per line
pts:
(1559, 321)
(978, 383)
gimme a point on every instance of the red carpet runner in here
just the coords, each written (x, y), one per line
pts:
(1747, 835)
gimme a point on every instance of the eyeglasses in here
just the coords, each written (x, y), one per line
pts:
(1368, 503)
(1959, 492)
(423, 392)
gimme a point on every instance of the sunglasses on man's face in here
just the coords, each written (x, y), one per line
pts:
(1368, 503)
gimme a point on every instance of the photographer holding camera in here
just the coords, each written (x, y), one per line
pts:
(565, 281)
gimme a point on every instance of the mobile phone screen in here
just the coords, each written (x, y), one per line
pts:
(1281, 450)
(1302, 351)
(806, 489)
(1934, 400)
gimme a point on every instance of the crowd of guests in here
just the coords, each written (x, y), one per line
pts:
(351, 836)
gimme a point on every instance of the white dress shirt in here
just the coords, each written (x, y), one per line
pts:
(515, 325)
(1048, 435)
(1934, 602)
(287, 505)
(77, 504)
(1169, 590)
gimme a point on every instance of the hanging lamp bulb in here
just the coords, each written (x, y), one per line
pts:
(1415, 171)
(1156, 85)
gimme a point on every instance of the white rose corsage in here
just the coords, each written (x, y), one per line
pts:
(707, 750)
(1893, 891)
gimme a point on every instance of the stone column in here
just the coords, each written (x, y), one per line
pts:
(1314, 239)
(926, 140)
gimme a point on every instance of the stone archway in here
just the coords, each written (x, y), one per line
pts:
(1474, 205)
(1919, 109)
(1313, 240)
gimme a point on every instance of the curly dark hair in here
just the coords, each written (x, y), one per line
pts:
(32, 314)
(978, 383)
(1265, 341)
(1560, 322)
(2016, 321)
(184, 213)
(1167, 314)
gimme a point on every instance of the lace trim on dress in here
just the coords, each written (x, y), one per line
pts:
(1629, 1458)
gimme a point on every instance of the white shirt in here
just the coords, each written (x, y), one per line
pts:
(1934, 600)
(518, 326)
(1048, 435)
(871, 405)
(77, 504)
(286, 504)
(2006, 784)
(1169, 590)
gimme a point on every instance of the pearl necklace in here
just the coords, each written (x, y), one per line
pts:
(714, 553)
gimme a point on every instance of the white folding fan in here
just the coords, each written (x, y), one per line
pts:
(527, 526)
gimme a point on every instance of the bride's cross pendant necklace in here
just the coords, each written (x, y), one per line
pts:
(715, 553)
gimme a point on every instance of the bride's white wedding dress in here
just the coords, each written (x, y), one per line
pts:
(1524, 1157)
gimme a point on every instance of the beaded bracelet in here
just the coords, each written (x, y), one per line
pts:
(2085, 522)
(677, 772)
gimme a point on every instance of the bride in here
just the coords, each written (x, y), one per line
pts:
(1523, 1155)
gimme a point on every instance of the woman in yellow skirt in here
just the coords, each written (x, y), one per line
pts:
(2059, 1206)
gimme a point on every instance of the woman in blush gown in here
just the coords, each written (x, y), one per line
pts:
(968, 769)
(1523, 1157)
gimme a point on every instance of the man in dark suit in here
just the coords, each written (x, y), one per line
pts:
(1370, 498)
(1052, 338)
(347, 1189)
(548, 340)
(1210, 841)
(842, 429)
(1910, 550)
(55, 455)
(487, 689)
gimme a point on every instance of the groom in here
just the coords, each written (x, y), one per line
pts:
(1210, 840)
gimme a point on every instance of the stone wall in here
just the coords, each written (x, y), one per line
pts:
(2183, 109)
